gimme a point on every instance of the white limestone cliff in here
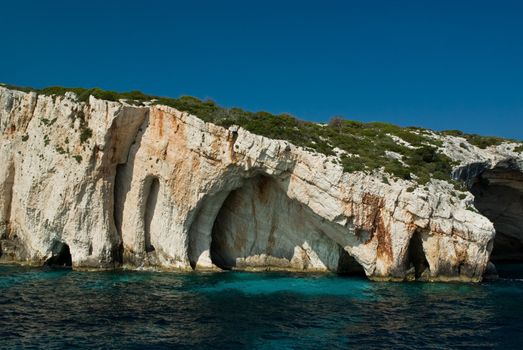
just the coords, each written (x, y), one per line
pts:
(156, 187)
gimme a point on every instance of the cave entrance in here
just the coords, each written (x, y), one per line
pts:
(150, 208)
(416, 258)
(259, 227)
(61, 257)
(499, 196)
(348, 266)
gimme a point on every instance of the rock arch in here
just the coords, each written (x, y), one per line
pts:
(61, 256)
(254, 224)
(199, 240)
(144, 222)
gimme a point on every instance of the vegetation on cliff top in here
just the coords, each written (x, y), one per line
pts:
(476, 140)
(403, 152)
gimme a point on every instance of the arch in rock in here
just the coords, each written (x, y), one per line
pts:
(255, 225)
(61, 256)
(126, 136)
(416, 260)
(144, 222)
(152, 188)
(498, 195)
(200, 230)
(348, 265)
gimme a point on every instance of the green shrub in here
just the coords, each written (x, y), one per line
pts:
(85, 134)
(471, 208)
(476, 140)
(484, 141)
(365, 143)
(48, 122)
(452, 132)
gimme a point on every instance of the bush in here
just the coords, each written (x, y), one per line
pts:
(365, 143)
(336, 122)
(452, 132)
(476, 140)
(484, 141)
(85, 134)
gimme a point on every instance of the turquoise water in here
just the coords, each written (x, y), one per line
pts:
(235, 310)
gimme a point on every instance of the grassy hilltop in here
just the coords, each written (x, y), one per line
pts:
(359, 146)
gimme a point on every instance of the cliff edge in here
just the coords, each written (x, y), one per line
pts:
(99, 184)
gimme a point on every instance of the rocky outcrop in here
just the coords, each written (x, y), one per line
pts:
(495, 178)
(151, 186)
(498, 195)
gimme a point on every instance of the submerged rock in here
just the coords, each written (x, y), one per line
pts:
(152, 186)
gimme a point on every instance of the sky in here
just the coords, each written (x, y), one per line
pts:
(436, 64)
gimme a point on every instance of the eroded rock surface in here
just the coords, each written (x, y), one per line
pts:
(157, 187)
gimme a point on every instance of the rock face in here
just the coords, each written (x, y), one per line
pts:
(113, 184)
(499, 196)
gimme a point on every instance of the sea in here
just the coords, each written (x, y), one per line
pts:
(45, 308)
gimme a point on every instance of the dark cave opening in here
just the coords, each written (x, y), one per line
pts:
(150, 207)
(416, 256)
(498, 195)
(119, 195)
(217, 257)
(218, 251)
(61, 257)
(348, 266)
(510, 270)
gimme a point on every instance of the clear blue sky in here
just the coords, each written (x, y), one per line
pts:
(438, 64)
